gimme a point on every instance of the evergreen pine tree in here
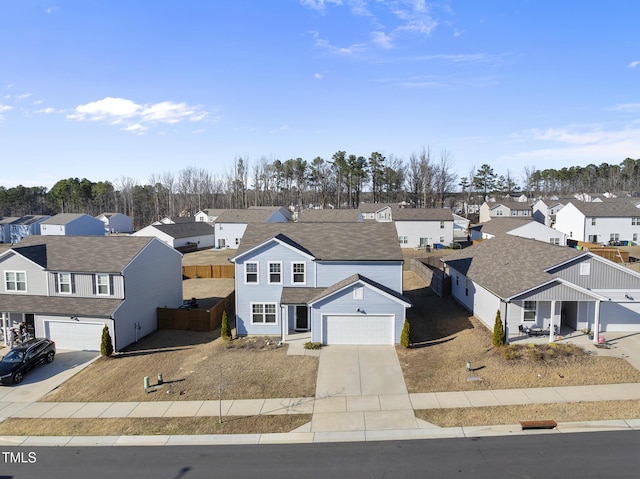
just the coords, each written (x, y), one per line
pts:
(106, 346)
(405, 335)
(498, 331)
(225, 330)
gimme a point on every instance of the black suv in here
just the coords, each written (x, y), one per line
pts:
(24, 357)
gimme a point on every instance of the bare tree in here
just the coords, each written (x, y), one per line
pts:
(444, 179)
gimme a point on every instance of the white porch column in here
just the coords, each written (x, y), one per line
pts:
(553, 321)
(283, 327)
(596, 322)
(5, 330)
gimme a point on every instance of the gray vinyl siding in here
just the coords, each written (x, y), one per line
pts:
(601, 276)
(342, 303)
(555, 292)
(263, 292)
(36, 277)
(386, 273)
(84, 286)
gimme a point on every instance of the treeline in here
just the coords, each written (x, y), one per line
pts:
(424, 180)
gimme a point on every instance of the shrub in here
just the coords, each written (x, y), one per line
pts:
(510, 352)
(535, 354)
(405, 336)
(106, 345)
(498, 331)
(225, 329)
(312, 345)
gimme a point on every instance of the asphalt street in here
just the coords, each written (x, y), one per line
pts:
(595, 455)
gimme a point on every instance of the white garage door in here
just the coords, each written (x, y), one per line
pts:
(359, 329)
(74, 335)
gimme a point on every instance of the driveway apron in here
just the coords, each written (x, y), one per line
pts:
(361, 388)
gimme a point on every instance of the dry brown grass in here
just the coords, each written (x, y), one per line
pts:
(445, 338)
(192, 365)
(152, 426)
(565, 412)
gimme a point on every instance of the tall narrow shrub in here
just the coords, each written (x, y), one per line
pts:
(498, 331)
(405, 335)
(225, 329)
(106, 346)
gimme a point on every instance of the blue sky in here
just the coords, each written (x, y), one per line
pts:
(106, 89)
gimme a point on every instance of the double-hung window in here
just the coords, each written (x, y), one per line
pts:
(263, 313)
(403, 239)
(275, 273)
(15, 281)
(64, 283)
(251, 273)
(529, 311)
(298, 273)
(102, 285)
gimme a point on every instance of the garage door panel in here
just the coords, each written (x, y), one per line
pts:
(358, 329)
(76, 335)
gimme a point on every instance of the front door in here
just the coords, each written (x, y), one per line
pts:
(29, 321)
(302, 318)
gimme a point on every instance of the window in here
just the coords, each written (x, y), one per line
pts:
(298, 273)
(403, 239)
(499, 213)
(64, 283)
(441, 239)
(457, 280)
(529, 311)
(424, 242)
(585, 269)
(593, 238)
(15, 281)
(251, 273)
(614, 237)
(554, 240)
(442, 225)
(635, 221)
(358, 293)
(237, 241)
(102, 285)
(525, 213)
(635, 237)
(263, 313)
(593, 221)
(275, 273)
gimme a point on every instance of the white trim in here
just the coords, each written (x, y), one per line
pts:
(304, 273)
(269, 263)
(59, 282)
(363, 283)
(15, 282)
(108, 276)
(257, 272)
(283, 243)
(586, 291)
(264, 313)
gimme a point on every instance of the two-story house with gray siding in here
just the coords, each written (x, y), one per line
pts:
(340, 281)
(69, 288)
(72, 224)
(536, 284)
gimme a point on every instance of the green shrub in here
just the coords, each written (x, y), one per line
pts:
(498, 331)
(225, 329)
(106, 345)
(312, 345)
(405, 336)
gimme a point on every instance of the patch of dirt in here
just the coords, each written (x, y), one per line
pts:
(193, 365)
(445, 338)
(208, 256)
(207, 291)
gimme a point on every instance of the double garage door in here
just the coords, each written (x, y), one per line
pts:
(74, 335)
(358, 329)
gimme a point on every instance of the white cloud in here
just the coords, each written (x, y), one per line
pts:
(382, 39)
(628, 107)
(48, 110)
(4, 108)
(319, 5)
(318, 76)
(634, 64)
(280, 128)
(136, 118)
(351, 49)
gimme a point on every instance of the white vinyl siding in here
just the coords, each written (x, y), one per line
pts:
(15, 281)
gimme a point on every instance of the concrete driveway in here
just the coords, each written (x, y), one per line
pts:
(47, 377)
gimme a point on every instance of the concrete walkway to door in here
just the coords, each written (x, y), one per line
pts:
(361, 388)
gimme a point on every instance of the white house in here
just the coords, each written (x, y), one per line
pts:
(71, 224)
(460, 227)
(536, 284)
(376, 211)
(600, 222)
(545, 211)
(502, 209)
(524, 228)
(180, 235)
(68, 288)
(209, 215)
(421, 227)
(231, 224)
(116, 223)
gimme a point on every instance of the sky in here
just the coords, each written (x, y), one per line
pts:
(106, 89)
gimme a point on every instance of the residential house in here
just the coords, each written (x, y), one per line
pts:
(68, 288)
(5, 228)
(460, 227)
(209, 215)
(231, 224)
(536, 284)
(421, 227)
(172, 220)
(545, 211)
(376, 211)
(180, 235)
(72, 224)
(341, 281)
(600, 222)
(116, 223)
(501, 209)
(329, 216)
(26, 226)
(524, 228)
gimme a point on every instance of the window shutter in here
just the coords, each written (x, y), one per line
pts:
(56, 281)
(94, 284)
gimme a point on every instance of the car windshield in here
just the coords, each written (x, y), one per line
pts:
(13, 356)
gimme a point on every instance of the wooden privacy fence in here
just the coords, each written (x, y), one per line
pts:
(197, 319)
(209, 271)
(429, 270)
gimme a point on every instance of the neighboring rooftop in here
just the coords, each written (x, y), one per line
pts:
(250, 215)
(611, 209)
(64, 218)
(186, 230)
(500, 226)
(422, 214)
(329, 216)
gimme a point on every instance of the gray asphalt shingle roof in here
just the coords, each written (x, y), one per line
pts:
(607, 209)
(328, 216)
(82, 254)
(251, 215)
(422, 214)
(67, 306)
(186, 230)
(64, 218)
(500, 226)
(507, 265)
(331, 241)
